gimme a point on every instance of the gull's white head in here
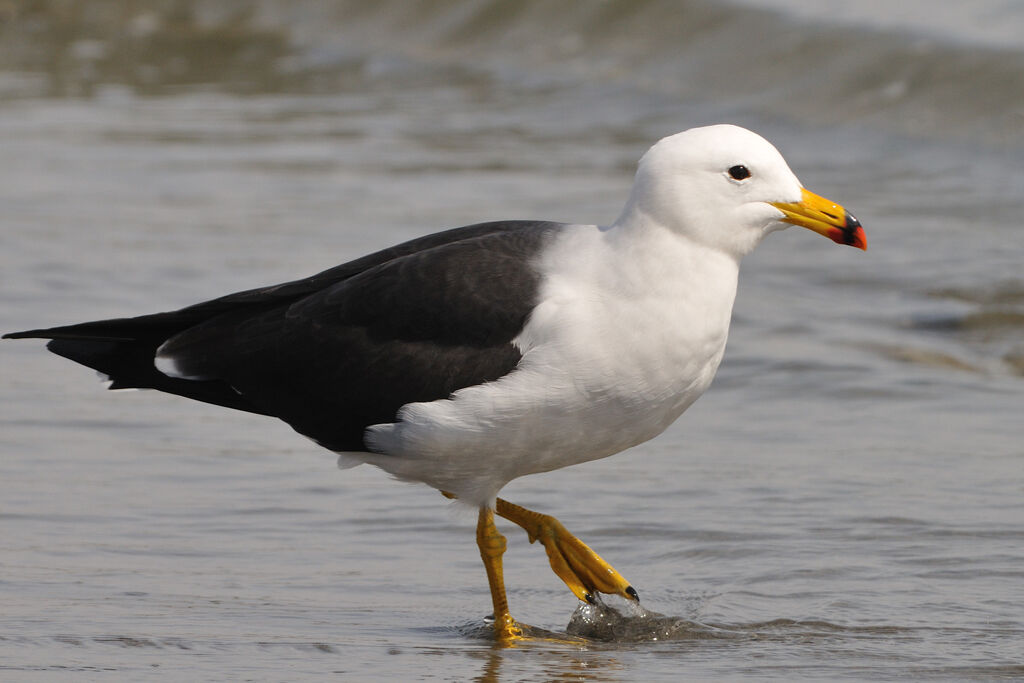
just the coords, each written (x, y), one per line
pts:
(726, 187)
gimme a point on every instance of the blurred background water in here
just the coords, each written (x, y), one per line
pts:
(847, 499)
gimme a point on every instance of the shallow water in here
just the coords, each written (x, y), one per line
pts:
(847, 499)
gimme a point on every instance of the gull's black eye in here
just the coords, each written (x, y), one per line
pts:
(739, 173)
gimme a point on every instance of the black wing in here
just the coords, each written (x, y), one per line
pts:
(336, 352)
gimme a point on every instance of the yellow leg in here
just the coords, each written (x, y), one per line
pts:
(492, 547)
(582, 570)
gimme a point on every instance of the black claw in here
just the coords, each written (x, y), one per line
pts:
(590, 598)
(632, 593)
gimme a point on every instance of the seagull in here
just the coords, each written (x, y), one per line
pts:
(470, 357)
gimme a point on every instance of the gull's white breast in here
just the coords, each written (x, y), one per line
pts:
(629, 329)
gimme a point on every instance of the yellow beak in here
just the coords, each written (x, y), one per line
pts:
(824, 217)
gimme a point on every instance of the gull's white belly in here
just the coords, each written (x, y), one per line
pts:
(605, 366)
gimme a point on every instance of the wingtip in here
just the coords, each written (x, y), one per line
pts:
(27, 334)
